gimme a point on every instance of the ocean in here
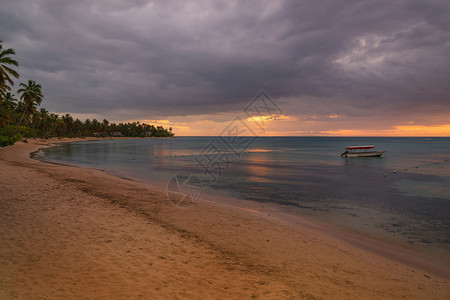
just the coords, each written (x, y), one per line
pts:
(402, 197)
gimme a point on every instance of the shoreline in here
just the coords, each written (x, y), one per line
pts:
(374, 244)
(366, 242)
(257, 255)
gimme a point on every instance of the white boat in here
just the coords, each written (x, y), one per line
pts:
(362, 151)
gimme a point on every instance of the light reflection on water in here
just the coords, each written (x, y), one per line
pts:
(307, 176)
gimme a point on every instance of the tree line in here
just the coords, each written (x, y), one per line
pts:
(21, 117)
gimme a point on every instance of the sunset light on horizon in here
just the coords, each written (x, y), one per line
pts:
(210, 128)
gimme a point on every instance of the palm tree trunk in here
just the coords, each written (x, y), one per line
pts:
(20, 121)
(36, 128)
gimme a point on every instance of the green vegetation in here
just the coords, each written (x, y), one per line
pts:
(21, 118)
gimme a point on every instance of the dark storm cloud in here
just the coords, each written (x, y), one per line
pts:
(183, 58)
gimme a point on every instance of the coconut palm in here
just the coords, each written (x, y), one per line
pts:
(5, 71)
(52, 125)
(39, 121)
(31, 96)
(6, 107)
(67, 121)
(4, 117)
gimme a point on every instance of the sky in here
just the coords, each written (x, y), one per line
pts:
(332, 68)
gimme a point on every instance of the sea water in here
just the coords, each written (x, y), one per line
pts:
(403, 197)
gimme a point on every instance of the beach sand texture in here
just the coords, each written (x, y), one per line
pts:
(74, 233)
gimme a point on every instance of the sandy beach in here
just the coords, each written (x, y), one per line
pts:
(75, 233)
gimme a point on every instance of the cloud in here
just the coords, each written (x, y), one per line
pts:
(145, 59)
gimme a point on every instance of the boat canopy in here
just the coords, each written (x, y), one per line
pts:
(360, 147)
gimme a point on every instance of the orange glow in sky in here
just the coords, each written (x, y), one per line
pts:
(419, 131)
(287, 126)
(305, 125)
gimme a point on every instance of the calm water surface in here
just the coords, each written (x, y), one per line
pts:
(403, 197)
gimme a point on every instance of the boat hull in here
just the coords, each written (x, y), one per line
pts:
(365, 154)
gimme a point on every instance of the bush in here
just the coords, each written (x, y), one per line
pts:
(9, 140)
(9, 130)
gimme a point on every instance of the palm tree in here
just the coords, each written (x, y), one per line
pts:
(6, 71)
(95, 125)
(4, 117)
(67, 122)
(42, 121)
(78, 127)
(10, 99)
(52, 125)
(6, 107)
(31, 96)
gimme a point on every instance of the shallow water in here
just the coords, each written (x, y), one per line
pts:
(403, 197)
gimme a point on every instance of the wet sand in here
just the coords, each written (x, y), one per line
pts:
(74, 233)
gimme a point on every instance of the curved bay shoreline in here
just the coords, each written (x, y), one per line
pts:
(80, 233)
